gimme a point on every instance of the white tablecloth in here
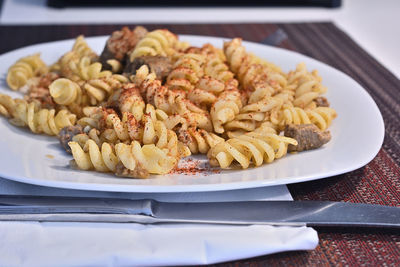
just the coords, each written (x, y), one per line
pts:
(131, 244)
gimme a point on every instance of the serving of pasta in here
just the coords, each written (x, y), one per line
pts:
(150, 100)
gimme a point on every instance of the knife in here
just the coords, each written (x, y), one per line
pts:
(291, 213)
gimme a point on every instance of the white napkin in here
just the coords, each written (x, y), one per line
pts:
(131, 244)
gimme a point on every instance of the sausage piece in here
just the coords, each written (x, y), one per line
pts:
(120, 43)
(160, 65)
(321, 101)
(138, 172)
(66, 135)
(308, 136)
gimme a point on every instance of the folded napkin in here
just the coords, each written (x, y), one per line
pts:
(132, 244)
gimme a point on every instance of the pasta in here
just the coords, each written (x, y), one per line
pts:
(321, 116)
(217, 69)
(151, 100)
(37, 119)
(170, 101)
(199, 141)
(142, 160)
(84, 70)
(25, 69)
(99, 89)
(67, 64)
(158, 42)
(149, 128)
(65, 91)
(225, 109)
(306, 86)
(250, 147)
(249, 70)
(186, 73)
(7, 105)
(82, 48)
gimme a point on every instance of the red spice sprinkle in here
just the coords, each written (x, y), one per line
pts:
(192, 167)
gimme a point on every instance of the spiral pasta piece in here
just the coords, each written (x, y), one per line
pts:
(181, 46)
(295, 115)
(170, 101)
(251, 114)
(322, 117)
(225, 109)
(94, 117)
(7, 105)
(211, 85)
(149, 129)
(100, 89)
(130, 100)
(263, 127)
(82, 48)
(138, 160)
(255, 148)
(115, 65)
(201, 98)
(65, 92)
(306, 86)
(207, 50)
(106, 136)
(182, 78)
(186, 72)
(198, 140)
(158, 42)
(37, 119)
(102, 160)
(150, 157)
(250, 71)
(84, 70)
(24, 69)
(79, 50)
(191, 61)
(258, 109)
(217, 69)
(245, 122)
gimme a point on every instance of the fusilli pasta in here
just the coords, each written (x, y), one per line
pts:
(24, 69)
(167, 100)
(37, 119)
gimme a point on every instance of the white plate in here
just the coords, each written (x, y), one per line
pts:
(357, 135)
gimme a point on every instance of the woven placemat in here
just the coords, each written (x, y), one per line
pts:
(378, 182)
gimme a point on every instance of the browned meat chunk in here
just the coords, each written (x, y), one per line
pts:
(120, 43)
(113, 100)
(184, 136)
(308, 136)
(321, 101)
(138, 172)
(160, 65)
(66, 135)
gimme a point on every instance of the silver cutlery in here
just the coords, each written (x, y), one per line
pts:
(294, 213)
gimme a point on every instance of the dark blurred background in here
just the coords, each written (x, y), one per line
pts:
(277, 3)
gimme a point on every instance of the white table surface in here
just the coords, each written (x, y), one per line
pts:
(373, 24)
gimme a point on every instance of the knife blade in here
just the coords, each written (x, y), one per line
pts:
(293, 213)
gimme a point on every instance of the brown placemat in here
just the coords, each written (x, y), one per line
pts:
(378, 182)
